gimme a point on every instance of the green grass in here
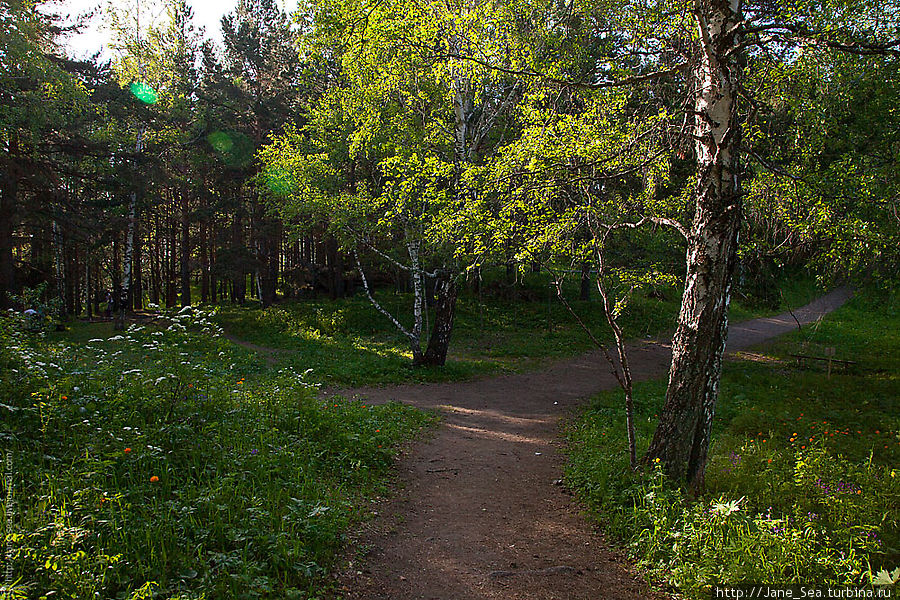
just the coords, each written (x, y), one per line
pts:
(802, 484)
(348, 342)
(173, 464)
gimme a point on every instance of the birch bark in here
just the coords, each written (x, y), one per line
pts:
(681, 440)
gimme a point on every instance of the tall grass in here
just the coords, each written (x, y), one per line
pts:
(802, 482)
(148, 465)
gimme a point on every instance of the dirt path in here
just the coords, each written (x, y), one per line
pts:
(480, 513)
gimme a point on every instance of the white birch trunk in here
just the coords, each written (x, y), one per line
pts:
(129, 242)
(682, 438)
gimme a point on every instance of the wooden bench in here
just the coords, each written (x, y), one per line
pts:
(826, 359)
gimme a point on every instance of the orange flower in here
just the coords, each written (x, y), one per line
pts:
(377, 431)
(65, 397)
(770, 460)
(127, 450)
(154, 479)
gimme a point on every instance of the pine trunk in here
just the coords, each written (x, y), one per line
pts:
(204, 263)
(137, 282)
(8, 198)
(185, 251)
(681, 440)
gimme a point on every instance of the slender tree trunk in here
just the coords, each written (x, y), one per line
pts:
(137, 285)
(155, 262)
(8, 199)
(418, 289)
(185, 251)
(336, 268)
(171, 276)
(585, 294)
(444, 315)
(112, 308)
(60, 269)
(204, 263)
(681, 440)
(129, 246)
(88, 291)
(269, 243)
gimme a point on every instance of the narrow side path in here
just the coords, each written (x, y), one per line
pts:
(480, 514)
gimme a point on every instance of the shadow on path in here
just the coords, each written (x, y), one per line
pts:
(481, 514)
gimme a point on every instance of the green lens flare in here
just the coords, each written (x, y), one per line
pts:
(220, 141)
(234, 148)
(278, 181)
(144, 93)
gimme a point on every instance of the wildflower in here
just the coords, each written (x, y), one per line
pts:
(127, 450)
(656, 460)
(377, 431)
(154, 479)
(66, 398)
(770, 460)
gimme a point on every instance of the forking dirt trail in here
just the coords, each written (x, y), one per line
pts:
(479, 513)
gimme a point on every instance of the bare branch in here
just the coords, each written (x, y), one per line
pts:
(625, 81)
(657, 220)
(375, 303)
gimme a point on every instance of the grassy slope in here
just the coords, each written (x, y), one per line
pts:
(350, 343)
(801, 482)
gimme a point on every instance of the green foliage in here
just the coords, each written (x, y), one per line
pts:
(152, 468)
(801, 483)
(832, 130)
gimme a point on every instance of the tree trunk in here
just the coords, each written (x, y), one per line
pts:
(204, 263)
(585, 294)
(129, 247)
(88, 291)
(8, 198)
(185, 251)
(444, 314)
(336, 268)
(681, 440)
(172, 260)
(155, 262)
(60, 270)
(270, 242)
(137, 282)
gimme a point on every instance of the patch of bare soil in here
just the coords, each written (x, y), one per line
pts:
(480, 513)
